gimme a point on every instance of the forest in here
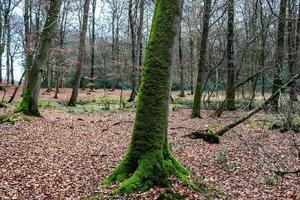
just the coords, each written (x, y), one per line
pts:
(149, 99)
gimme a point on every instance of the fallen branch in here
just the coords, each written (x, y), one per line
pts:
(282, 172)
(253, 112)
(121, 122)
(221, 108)
(205, 135)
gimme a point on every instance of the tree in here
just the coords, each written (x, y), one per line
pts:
(230, 91)
(93, 45)
(149, 160)
(135, 73)
(202, 58)
(29, 103)
(76, 82)
(182, 94)
(277, 81)
(293, 45)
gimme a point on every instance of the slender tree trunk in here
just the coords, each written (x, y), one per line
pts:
(76, 81)
(29, 103)
(93, 45)
(293, 66)
(149, 161)
(135, 75)
(59, 64)
(230, 92)
(182, 88)
(191, 43)
(196, 112)
(8, 38)
(263, 48)
(28, 39)
(277, 82)
(140, 39)
(12, 69)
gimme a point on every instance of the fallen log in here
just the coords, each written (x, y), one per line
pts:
(253, 112)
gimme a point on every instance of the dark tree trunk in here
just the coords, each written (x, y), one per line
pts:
(77, 78)
(149, 161)
(263, 48)
(295, 51)
(230, 91)
(140, 39)
(135, 74)
(29, 103)
(182, 88)
(93, 46)
(196, 112)
(277, 82)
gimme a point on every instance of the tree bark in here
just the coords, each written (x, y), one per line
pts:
(196, 112)
(277, 82)
(182, 88)
(149, 161)
(29, 103)
(294, 47)
(76, 82)
(93, 46)
(135, 74)
(230, 92)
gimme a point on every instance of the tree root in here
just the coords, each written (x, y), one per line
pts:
(149, 173)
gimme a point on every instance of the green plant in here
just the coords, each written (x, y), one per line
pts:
(270, 180)
(221, 158)
(8, 118)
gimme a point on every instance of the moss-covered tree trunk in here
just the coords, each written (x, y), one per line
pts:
(277, 82)
(202, 58)
(149, 161)
(29, 103)
(76, 81)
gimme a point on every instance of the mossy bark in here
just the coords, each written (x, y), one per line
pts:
(202, 57)
(277, 82)
(29, 103)
(149, 161)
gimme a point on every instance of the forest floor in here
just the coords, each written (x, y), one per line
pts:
(68, 152)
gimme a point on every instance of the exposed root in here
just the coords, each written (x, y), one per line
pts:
(148, 173)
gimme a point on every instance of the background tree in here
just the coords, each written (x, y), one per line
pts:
(76, 82)
(230, 90)
(202, 58)
(29, 103)
(279, 56)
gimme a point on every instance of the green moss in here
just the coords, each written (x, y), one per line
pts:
(149, 161)
(7, 119)
(2, 105)
(26, 104)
